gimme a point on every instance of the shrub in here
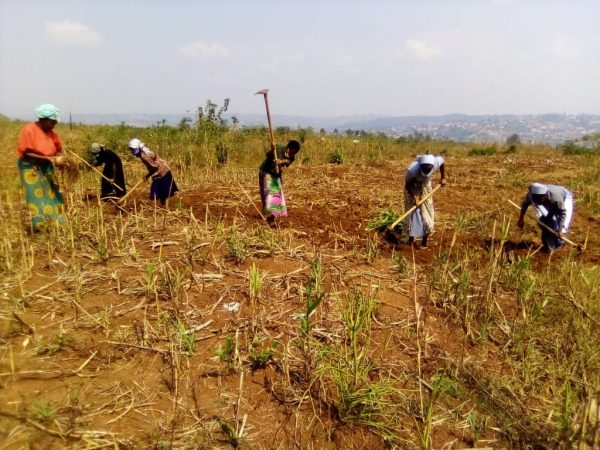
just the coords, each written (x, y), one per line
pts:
(573, 148)
(484, 151)
(336, 157)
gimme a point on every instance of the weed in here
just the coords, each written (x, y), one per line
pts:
(372, 247)
(186, 338)
(226, 353)
(384, 219)
(230, 432)
(260, 359)
(239, 248)
(49, 348)
(401, 266)
(255, 281)
(44, 411)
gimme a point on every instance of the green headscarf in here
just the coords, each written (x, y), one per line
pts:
(47, 111)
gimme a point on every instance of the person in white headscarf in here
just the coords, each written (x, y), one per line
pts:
(554, 207)
(163, 183)
(417, 184)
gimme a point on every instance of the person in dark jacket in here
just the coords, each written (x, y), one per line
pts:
(113, 171)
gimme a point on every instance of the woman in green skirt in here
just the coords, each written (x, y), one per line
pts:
(39, 151)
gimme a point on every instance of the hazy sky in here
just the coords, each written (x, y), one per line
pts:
(318, 58)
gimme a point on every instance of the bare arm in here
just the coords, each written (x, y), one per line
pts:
(443, 174)
(524, 206)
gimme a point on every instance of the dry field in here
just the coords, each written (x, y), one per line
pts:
(200, 326)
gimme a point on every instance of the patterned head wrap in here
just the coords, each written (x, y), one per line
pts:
(47, 111)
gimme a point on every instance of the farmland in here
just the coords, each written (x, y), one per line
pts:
(200, 326)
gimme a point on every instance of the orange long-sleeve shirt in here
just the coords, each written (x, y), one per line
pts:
(34, 139)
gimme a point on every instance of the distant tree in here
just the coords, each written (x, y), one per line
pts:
(184, 123)
(302, 135)
(336, 131)
(211, 115)
(349, 132)
(322, 132)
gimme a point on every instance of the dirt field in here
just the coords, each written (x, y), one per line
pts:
(111, 340)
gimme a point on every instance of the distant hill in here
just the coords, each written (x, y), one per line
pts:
(547, 128)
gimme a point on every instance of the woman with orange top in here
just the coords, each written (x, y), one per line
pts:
(39, 150)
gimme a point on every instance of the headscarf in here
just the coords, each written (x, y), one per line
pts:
(426, 159)
(96, 148)
(538, 188)
(47, 111)
(136, 146)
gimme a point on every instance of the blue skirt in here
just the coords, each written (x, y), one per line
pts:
(163, 188)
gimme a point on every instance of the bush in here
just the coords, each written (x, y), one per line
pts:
(484, 151)
(336, 157)
(572, 148)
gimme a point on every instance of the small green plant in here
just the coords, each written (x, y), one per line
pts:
(260, 359)
(239, 248)
(187, 339)
(44, 411)
(255, 281)
(49, 348)
(226, 352)
(313, 293)
(372, 248)
(233, 437)
(401, 266)
(383, 220)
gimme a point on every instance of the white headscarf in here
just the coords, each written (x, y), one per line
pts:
(538, 188)
(136, 146)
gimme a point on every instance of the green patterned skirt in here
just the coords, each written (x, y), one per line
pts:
(42, 194)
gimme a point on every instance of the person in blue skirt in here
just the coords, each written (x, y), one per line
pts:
(163, 183)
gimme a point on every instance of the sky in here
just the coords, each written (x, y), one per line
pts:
(317, 58)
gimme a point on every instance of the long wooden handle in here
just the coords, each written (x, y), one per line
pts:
(122, 199)
(542, 224)
(265, 93)
(95, 170)
(403, 216)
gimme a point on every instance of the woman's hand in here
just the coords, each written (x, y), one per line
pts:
(59, 161)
